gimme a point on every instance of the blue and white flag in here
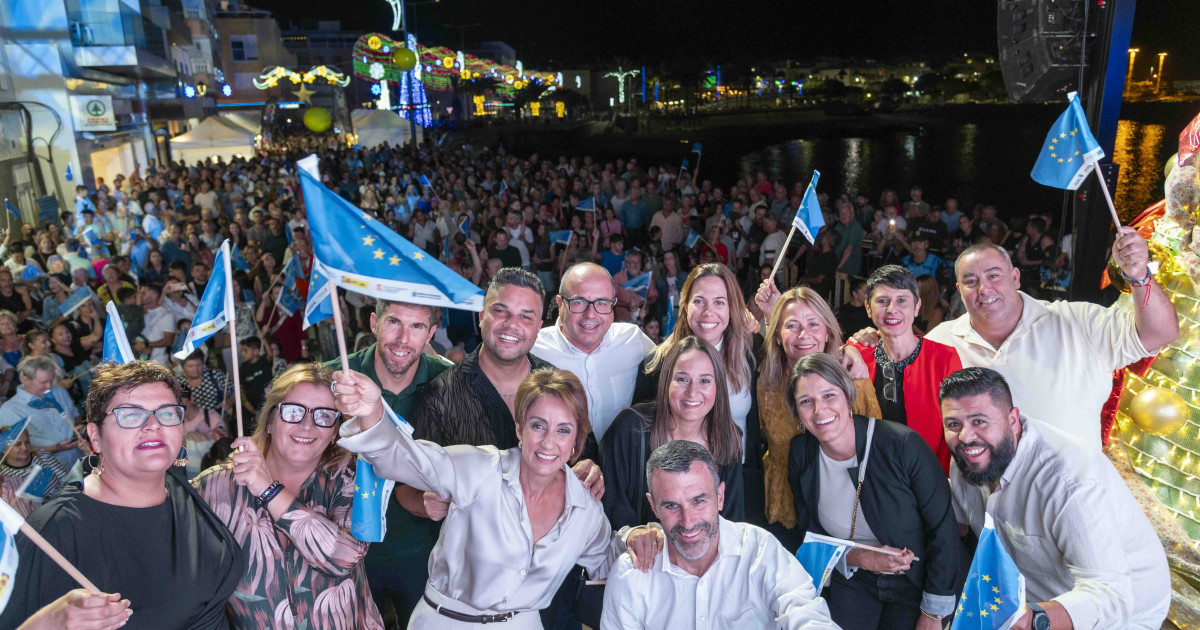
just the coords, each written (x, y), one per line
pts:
(116, 343)
(692, 237)
(372, 494)
(993, 597)
(668, 325)
(503, 186)
(10, 524)
(238, 260)
(37, 483)
(10, 434)
(320, 303)
(684, 164)
(698, 147)
(363, 255)
(75, 300)
(293, 270)
(12, 210)
(1070, 152)
(215, 308)
(288, 302)
(561, 237)
(31, 273)
(819, 555)
(639, 284)
(587, 205)
(91, 235)
(425, 181)
(465, 226)
(809, 219)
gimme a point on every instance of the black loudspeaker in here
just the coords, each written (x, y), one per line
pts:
(1040, 43)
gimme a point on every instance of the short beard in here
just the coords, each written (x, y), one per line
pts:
(692, 551)
(1001, 457)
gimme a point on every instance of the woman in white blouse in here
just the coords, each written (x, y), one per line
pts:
(519, 520)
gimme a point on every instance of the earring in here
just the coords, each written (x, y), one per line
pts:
(97, 467)
(181, 459)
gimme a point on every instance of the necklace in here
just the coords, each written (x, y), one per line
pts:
(528, 369)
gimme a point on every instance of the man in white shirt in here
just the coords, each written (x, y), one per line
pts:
(52, 416)
(519, 235)
(605, 356)
(160, 324)
(1088, 553)
(713, 573)
(1058, 357)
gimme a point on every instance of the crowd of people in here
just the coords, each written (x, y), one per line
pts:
(677, 437)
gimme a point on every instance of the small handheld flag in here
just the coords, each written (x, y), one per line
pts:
(31, 273)
(668, 325)
(587, 205)
(465, 226)
(12, 210)
(289, 302)
(320, 304)
(37, 483)
(10, 435)
(691, 239)
(75, 300)
(819, 555)
(1070, 152)
(10, 523)
(684, 164)
(698, 147)
(237, 259)
(292, 272)
(561, 237)
(368, 512)
(638, 284)
(213, 311)
(809, 219)
(503, 186)
(116, 344)
(425, 181)
(993, 597)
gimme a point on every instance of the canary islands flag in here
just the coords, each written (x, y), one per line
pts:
(320, 303)
(809, 219)
(993, 597)
(116, 343)
(819, 555)
(215, 308)
(1070, 152)
(368, 512)
(10, 524)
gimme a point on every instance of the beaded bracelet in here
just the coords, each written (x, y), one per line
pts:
(268, 494)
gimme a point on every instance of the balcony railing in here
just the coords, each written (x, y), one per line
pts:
(112, 28)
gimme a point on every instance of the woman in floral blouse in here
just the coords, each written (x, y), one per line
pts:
(286, 497)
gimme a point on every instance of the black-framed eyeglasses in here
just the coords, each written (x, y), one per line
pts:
(135, 417)
(577, 305)
(889, 388)
(293, 413)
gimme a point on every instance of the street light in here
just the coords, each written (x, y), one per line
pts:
(1129, 75)
(1162, 56)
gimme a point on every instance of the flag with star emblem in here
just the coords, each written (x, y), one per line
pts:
(368, 511)
(819, 555)
(363, 255)
(809, 219)
(215, 308)
(993, 597)
(1070, 152)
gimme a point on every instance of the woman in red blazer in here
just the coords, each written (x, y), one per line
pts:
(906, 370)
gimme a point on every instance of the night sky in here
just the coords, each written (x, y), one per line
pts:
(574, 33)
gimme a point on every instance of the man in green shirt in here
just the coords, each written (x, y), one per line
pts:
(397, 568)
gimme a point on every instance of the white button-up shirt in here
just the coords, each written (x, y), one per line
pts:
(486, 556)
(1074, 530)
(608, 373)
(1058, 361)
(754, 583)
(46, 427)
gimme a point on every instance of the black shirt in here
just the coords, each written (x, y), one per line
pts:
(256, 377)
(509, 256)
(934, 230)
(852, 319)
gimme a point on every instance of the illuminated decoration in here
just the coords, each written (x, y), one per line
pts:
(509, 79)
(374, 42)
(560, 109)
(375, 89)
(404, 58)
(478, 100)
(226, 90)
(535, 108)
(447, 62)
(317, 119)
(466, 75)
(189, 91)
(377, 71)
(519, 85)
(201, 88)
(620, 75)
(397, 14)
(303, 93)
(270, 78)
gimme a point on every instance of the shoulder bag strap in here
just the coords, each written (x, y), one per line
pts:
(862, 474)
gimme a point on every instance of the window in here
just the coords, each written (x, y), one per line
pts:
(244, 47)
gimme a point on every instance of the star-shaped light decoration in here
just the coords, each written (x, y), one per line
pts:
(303, 93)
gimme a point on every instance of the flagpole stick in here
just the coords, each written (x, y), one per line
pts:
(337, 325)
(781, 254)
(58, 558)
(231, 309)
(1107, 197)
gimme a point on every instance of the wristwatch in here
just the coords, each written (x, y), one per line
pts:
(1041, 621)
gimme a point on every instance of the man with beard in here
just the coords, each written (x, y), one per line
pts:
(397, 568)
(1088, 553)
(605, 356)
(714, 573)
(472, 402)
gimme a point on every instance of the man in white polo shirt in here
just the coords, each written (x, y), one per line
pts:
(713, 573)
(605, 356)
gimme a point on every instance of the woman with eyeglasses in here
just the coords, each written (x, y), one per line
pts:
(287, 498)
(906, 370)
(133, 525)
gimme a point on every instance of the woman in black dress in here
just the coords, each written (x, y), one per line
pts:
(133, 525)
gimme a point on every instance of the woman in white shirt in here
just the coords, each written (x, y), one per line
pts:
(518, 520)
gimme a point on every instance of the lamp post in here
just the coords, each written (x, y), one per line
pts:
(1162, 56)
(1129, 75)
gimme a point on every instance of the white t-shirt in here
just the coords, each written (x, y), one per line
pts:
(159, 321)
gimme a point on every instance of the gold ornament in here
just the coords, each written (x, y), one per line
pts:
(317, 119)
(404, 58)
(1114, 276)
(1158, 411)
(374, 43)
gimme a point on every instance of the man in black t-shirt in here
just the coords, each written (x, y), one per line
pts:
(255, 376)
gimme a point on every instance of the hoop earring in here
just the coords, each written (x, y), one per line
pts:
(97, 468)
(181, 460)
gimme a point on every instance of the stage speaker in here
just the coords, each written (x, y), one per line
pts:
(1040, 43)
